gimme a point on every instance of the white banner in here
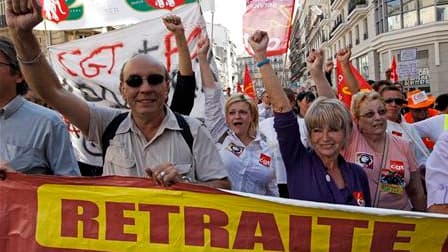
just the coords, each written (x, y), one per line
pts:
(85, 14)
(90, 67)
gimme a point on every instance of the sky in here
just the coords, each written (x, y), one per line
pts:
(229, 13)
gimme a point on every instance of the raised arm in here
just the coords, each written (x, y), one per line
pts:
(214, 111)
(206, 72)
(279, 101)
(315, 65)
(21, 17)
(183, 97)
(344, 57)
(174, 24)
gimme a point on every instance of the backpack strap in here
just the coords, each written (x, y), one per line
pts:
(110, 131)
(186, 132)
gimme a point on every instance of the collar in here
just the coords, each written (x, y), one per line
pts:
(12, 106)
(168, 122)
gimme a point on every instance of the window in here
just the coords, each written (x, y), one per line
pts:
(357, 33)
(442, 12)
(363, 64)
(366, 28)
(394, 23)
(410, 19)
(427, 15)
(393, 15)
(393, 7)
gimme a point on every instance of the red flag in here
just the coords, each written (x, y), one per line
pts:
(393, 70)
(54, 10)
(272, 16)
(238, 88)
(248, 87)
(344, 93)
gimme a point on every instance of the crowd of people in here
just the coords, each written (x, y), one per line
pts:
(385, 150)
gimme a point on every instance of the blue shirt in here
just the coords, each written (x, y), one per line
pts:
(307, 176)
(34, 139)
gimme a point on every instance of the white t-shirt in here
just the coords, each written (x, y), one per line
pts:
(432, 127)
(437, 172)
(407, 132)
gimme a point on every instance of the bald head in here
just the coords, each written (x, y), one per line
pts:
(142, 58)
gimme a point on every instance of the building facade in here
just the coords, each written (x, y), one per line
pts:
(415, 32)
(278, 64)
(224, 51)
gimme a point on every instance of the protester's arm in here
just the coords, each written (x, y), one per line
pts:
(328, 71)
(174, 24)
(183, 96)
(279, 101)
(36, 70)
(415, 192)
(315, 65)
(350, 80)
(214, 111)
(206, 72)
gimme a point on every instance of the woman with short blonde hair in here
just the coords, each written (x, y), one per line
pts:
(247, 157)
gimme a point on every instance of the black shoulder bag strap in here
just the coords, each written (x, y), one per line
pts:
(110, 131)
(186, 132)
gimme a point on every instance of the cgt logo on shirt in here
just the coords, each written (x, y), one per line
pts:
(265, 160)
(359, 198)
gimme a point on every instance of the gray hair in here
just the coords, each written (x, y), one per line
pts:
(329, 112)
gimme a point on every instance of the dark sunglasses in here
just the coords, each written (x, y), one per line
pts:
(397, 101)
(137, 80)
(371, 114)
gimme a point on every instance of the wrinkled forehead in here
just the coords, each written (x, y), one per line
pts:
(392, 94)
(374, 104)
(143, 64)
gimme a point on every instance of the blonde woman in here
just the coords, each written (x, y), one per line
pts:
(245, 153)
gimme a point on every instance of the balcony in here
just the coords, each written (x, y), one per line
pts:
(337, 23)
(354, 3)
(357, 9)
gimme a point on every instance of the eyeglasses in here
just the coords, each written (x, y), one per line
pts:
(137, 80)
(371, 114)
(397, 101)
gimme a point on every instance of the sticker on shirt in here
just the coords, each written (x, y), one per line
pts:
(235, 149)
(392, 178)
(397, 133)
(265, 160)
(359, 198)
(365, 160)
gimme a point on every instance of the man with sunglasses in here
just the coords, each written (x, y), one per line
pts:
(33, 139)
(394, 101)
(149, 140)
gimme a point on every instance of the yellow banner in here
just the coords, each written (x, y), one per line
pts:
(96, 215)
